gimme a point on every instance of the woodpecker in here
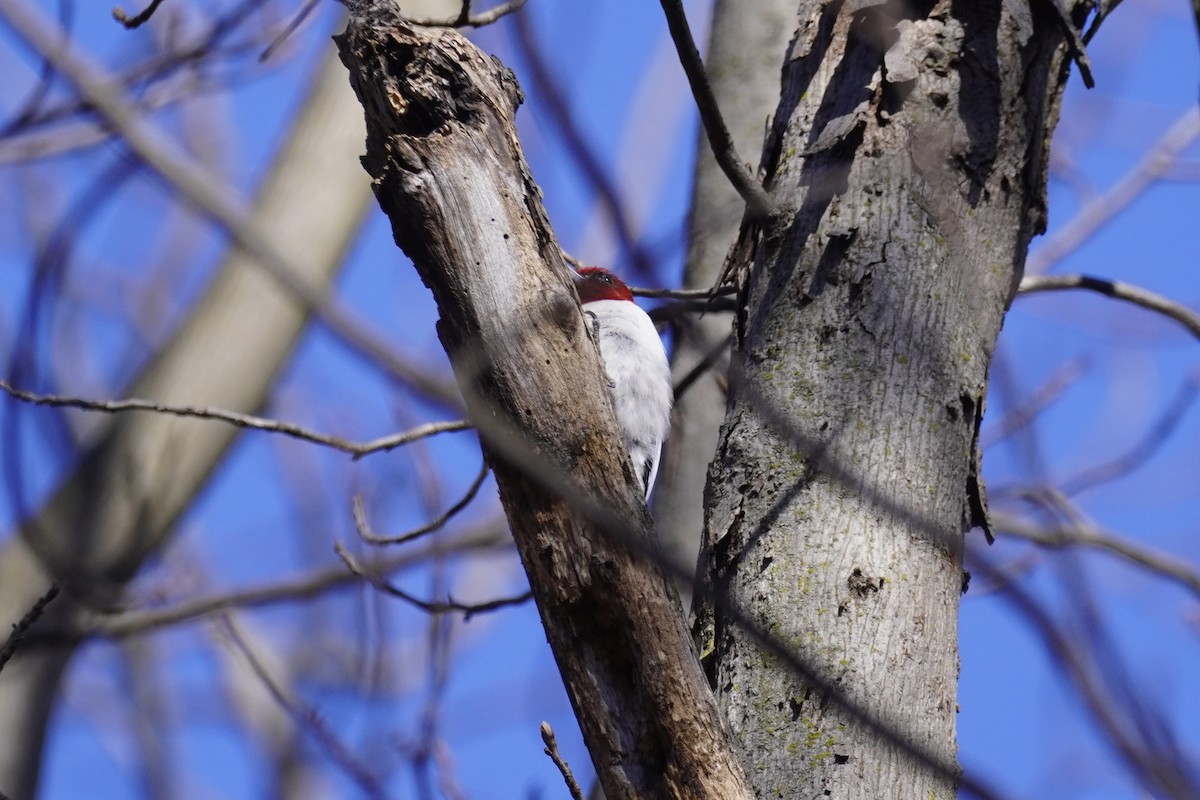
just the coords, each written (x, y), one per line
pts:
(636, 363)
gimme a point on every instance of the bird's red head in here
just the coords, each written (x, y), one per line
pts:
(597, 283)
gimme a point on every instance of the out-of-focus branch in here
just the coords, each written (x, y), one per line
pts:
(206, 193)
(1093, 216)
(1038, 401)
(141, 472)
(546, 87)
(239, 420)
(487, 537)
(1057, 538)
(1158, 435)
(758, 202)
(1118, 290)
(305, 716)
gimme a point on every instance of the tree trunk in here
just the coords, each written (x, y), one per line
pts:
(145, 469)
(745, 52)
(448, 171)
(909, 155)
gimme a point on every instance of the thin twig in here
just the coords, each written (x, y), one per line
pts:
(1117, 290)
(363, 526)
(704, 365)
(206, 193)
(1078, 51)
(137, 21)
(758, 202)
(237, 419)
(669, 312)
(552, 751)
(684, 294)
(307, 717)
(548, 89)
(1144, 450)
(25, 623)
(293, 24)
(467, 20)
(1044, 396)
(431, 606)
(1106, 7)
(1093, 216)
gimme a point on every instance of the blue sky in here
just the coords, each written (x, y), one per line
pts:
(276, 507)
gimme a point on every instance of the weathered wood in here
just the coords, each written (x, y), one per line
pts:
(910, 149)
(449, 173)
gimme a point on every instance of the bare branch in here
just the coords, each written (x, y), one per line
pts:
(1106, 7)
(433, 607)
(1140, 453)
(363, 526)
(704, 365)
(205, 192)
(758, 202)
(237, 419)
(1118, 290)
(468, 20)
(1075, 43)
(136, 21)
(1044, 396)
(1093, 216)
(552, 751)
(26, 622)
(490, 536)
(293, 24)
(1057, 538)
(307, 718)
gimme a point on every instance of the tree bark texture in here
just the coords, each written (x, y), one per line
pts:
(908, 156)
(450, 175)
(746, 46)
(143, 470)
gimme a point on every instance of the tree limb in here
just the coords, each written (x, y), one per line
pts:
(240, 420)
(448, 171)
(1118, 290)
(758, 202)
(1061, 537)
(468, 20)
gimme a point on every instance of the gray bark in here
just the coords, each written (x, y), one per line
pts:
(745, 53)
(143, 470)
(450, 175)
(909, 155)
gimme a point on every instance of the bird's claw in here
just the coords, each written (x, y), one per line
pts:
(595, 325)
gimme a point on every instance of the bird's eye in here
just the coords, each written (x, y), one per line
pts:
(605, 278)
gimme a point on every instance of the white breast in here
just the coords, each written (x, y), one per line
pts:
(636, 364)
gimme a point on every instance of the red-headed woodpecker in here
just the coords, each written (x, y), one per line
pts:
(636, 363)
